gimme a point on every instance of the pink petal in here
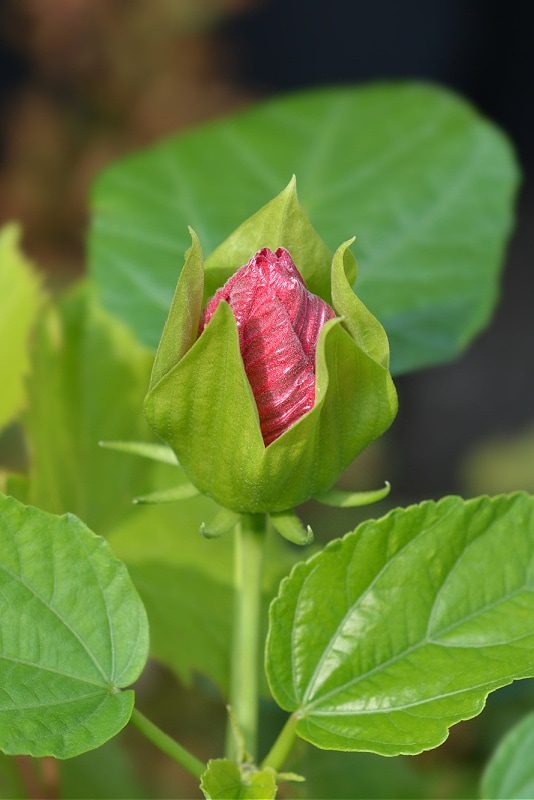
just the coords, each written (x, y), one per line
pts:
(279, 322)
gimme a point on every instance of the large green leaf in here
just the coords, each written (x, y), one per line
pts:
(423, 181)
(186, 583)
(19, 302)
(73, 634)
(510, 773)
(397, 631)
(88, 379)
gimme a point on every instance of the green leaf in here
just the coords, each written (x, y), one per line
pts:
(402, 628)
(88, 380)
(510, 772)
(19, 304)
(423, 180)
(224, 780)
(186, 583)
(74, 633)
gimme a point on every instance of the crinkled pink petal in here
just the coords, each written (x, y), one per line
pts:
(279, 322)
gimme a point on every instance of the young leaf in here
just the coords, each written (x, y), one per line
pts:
(429, 198)
(402, 628)
(74, 633)
(19, 302)
(510, 773)
(224, 780)
(88, 379)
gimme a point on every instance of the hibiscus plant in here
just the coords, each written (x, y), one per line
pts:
(265, 375)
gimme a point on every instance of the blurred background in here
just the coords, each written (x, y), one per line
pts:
(83, 82)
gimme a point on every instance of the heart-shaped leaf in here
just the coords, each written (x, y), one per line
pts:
(402, 628)
(424, 182)
(73, 634)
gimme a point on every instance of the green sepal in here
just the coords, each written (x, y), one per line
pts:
(200, 401)
(181, 492)
(181, 327)
(364, 328)
(150, 450)
(218, 440)
(291, 528)
(222, 523)
(340, 499)
(280, 223)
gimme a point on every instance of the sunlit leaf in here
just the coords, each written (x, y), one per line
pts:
(402, 628)
(88, 380)
(424, 182)
(73, 634)
(19, 303)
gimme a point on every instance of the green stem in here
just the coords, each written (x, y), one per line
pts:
(248, 559)
(277, 755)
(168, 745)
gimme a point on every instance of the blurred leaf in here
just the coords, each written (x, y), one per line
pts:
(88, 380)
(392, 634)
(500, 464)
(224, 780)
(415, 172)
(186, 584)
(101, 774)
(150, 450)
(510, 773)
(74, 632)
(10, 779)
(19, 303)
(334, 776)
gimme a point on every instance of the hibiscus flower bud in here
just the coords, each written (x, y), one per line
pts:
(278, 321)
(267, 391)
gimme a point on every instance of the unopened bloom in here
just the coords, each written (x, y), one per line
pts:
(278, 321)
(267, 391)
